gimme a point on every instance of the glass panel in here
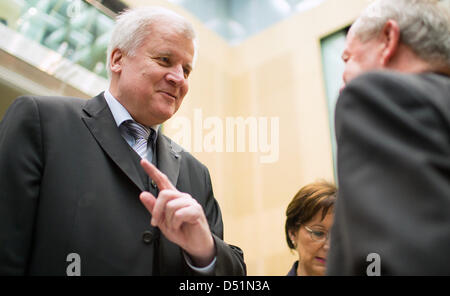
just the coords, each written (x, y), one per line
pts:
(236, 20)
(332, 47)
(73, 28)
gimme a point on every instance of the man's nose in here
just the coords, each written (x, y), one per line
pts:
(176, 75)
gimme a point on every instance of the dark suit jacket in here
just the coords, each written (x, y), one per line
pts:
(70, 184)
(393, 137)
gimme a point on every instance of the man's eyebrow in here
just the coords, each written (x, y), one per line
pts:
(167, 53)
(164, 53)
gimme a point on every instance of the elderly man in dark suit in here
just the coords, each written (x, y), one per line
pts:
(73, 180)
(393, 134)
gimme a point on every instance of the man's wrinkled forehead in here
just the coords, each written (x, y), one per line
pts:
(167, 30)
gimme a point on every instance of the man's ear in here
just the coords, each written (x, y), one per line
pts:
(390, 36)
(116, 60)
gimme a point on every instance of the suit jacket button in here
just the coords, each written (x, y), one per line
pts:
(147, 236)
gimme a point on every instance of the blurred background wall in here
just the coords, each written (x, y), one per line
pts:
(259, 113)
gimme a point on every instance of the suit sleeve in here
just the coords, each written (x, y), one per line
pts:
(230, 259)
(20, 170)
(393, 172)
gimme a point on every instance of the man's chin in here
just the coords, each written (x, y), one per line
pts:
(157, 114)
(164, 115)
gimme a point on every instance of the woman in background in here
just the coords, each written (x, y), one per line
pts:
(309, 217)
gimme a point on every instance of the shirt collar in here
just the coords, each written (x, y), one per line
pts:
(119, 112)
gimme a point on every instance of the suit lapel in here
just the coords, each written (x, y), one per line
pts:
(100, 122)
(168, 157)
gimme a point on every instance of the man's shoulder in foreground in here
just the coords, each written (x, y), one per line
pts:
(425, 87)
(59, 100)
(391, 78)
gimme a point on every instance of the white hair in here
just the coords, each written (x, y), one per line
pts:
(132, 28)
(424, 26)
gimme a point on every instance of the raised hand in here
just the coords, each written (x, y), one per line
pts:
(179, 217)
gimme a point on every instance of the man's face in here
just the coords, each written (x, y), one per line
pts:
(360, 57)
(153, 82)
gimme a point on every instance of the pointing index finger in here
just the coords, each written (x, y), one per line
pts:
(160, 179)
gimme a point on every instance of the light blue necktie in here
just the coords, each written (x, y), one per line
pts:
(141, 136)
